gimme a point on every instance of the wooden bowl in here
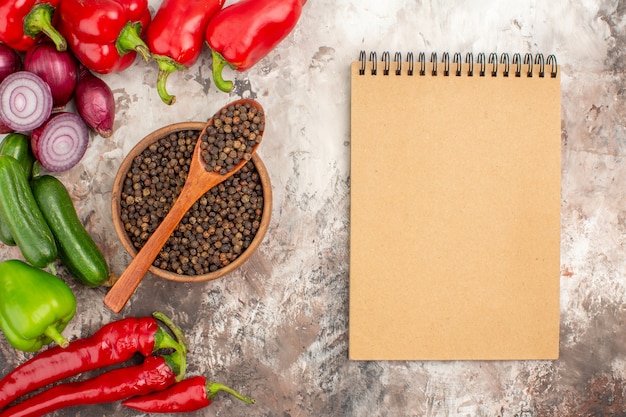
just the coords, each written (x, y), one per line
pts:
(125, 239)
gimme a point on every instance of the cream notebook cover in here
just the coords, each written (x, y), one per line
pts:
(455, 207)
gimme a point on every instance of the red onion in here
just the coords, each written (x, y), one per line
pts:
(61, 142)
(95, 103)
(58, 68)
(4, 128)
(25, 101)
(10, 61)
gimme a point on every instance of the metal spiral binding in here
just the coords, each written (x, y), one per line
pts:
(494, 65)
(398, 60)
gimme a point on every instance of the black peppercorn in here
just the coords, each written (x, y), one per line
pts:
(220, 225)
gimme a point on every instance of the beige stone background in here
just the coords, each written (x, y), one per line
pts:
(277, 328)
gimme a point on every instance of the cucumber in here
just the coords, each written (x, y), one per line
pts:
(77, 250)
(16, 145)
(20, 211)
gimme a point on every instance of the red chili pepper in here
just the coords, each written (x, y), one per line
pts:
(190, 394)
(21, 23)
(114, 343)
(105, 35)
(242, 34)
(154, 374)
(176, 36)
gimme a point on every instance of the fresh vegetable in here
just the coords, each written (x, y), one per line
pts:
(22, 22)
(188, 395)
(243, 33)
(176, 37)
(4, 128)
(35, 306)
(115, 343)
(16, 145)
(95, 102)
(154, 374)
(105, 35)
(20, 211)
(77, 250)
(10, 61)
(59, 69)
(25, 101)
(61, 142)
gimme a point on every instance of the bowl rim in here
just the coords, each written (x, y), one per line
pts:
(125, 240)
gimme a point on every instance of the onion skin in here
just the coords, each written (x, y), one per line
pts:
(57, 68)
(95, 103)
(10, 61)
(4, 128)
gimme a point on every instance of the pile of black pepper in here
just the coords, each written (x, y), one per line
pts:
(235, 130)
(218, 228)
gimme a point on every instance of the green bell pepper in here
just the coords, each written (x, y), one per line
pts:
(35, 306)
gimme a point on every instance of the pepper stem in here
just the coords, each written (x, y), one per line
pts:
(177, 360)
(218, 66)
(39, 20)
(212, 388)
(167, 66)
(54, 334)
(129, 40)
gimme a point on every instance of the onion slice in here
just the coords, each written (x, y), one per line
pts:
(25, 101)
(60, 143)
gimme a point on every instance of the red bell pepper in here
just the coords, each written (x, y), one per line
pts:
(190, 394)
(105, 35)
(176, 36)
(22, 22)
(114, 343)
(243, 33)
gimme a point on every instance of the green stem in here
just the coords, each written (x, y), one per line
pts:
(177, 360)
(180, 344)
(213, 388)
(39, 20)
(166, 66)
(163, 340)
(54, 334)
(130, 40)
(177, 363)
(218, 66)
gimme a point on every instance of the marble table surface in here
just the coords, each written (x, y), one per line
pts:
(277, 328)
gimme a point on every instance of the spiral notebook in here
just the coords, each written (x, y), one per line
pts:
(455, 207)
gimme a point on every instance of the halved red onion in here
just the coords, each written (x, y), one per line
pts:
(25, 101)
(60, 143)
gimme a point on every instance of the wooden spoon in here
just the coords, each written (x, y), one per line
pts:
(199, 181)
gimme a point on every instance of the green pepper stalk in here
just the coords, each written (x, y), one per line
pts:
(35, 306)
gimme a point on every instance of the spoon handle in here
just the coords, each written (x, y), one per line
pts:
(126, 284)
